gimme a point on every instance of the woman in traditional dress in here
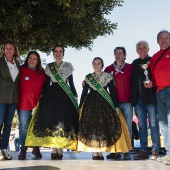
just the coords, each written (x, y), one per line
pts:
(102, 127)
(55, 123)
(32, 79)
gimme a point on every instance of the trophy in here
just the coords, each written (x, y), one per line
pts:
(145, 66)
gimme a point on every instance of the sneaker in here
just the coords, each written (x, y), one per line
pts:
(166, 160)
(22, 154)
(114, 156)
(154, 155)
(142, 155)
(6, 155)
(126, 156)
(36, 152)
(1, 156)
(160, 159)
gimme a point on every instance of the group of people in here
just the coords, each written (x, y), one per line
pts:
(49, 114)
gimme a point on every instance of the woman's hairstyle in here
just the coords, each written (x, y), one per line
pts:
(16, 53)
(98, 58)
(59, 46)
(39, 68)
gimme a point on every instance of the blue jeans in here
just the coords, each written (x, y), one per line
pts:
(163, 100)
(127, 111)
(6, 115)
(142, 112)
(24, 120)
(16, 143)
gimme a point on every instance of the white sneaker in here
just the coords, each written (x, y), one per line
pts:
(164, 159)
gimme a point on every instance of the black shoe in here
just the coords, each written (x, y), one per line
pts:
(59, 157)
(142, 155)
(126, 156)
(22, 154)
(100, 158)
(6, 155)
(114, 156)
(54, 156)
(36, 152)
(95, 157)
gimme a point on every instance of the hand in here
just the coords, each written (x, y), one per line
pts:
(83, 83)
(33, 110)
(76, 98)
(147, 85)
(117, 110)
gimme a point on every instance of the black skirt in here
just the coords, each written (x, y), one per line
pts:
(56, 115)
(99, 125)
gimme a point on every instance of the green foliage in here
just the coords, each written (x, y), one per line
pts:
(40, 24)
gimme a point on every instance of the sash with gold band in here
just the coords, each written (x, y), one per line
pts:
(91, 79)
(62, 83)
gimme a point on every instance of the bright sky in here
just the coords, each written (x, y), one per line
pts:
(137, 20)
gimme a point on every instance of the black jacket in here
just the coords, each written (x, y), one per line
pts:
(148, 94)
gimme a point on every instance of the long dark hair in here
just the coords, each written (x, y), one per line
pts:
(39, 68)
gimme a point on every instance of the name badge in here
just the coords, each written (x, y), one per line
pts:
(27, 78)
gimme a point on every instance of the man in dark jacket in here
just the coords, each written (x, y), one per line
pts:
(144, 101)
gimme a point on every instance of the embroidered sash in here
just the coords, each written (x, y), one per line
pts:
(91, 79)
(62, 83)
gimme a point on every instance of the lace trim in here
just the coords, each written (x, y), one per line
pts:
(60, 132)
(104, 79)
(65, 70)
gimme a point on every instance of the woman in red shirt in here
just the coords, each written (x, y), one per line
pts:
(32, 78)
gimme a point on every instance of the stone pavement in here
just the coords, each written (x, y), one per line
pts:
(77, 161)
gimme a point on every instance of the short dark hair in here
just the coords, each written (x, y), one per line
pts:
(39, 68)
(59, 46)
(162, 31)
(98, 58)
(120, 48)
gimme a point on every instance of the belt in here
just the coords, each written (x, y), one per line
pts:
(167, 87)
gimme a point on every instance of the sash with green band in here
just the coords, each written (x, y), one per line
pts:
(62, 83)
(91, 79)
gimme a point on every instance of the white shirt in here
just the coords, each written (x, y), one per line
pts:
(13, 69)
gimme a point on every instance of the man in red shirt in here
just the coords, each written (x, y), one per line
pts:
(122, 73)
(160, 69)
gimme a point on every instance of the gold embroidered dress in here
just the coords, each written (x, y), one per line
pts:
(101, 129)
(55, 122)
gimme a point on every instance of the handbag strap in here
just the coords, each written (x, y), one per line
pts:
(160, 57)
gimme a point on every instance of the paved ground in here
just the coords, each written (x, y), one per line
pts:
(77, 161)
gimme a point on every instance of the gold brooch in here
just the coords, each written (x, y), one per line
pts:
(167, 56)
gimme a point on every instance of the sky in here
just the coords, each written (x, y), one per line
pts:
(136, 20)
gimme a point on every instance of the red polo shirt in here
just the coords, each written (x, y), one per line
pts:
(123, 82)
